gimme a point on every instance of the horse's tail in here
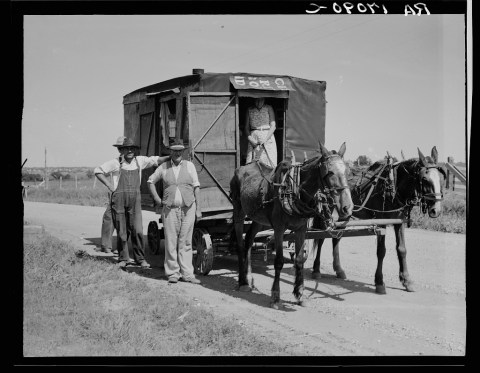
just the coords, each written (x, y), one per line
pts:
(238, 214)
(235, 187)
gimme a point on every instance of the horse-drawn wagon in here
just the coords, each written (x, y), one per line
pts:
(207, 111)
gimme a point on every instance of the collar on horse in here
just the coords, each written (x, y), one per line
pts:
(289, 190)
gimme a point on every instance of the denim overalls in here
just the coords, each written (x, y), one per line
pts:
(127, 214)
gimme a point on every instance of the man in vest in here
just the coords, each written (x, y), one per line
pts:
(180, 210)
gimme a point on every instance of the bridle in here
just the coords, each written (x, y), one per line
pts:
(290, 188)
(421, 199)
(326, 192)
(425, 199)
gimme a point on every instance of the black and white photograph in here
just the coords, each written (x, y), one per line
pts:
(243, 183)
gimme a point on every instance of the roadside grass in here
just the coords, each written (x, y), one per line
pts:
(452, 219)
(75, 305)
(84, 194)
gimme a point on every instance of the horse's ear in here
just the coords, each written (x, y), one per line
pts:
(403, 156)
(342, 149)
(422, 158)
(323, 150)
(435, 154)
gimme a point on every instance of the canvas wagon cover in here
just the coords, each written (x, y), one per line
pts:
(305, 116)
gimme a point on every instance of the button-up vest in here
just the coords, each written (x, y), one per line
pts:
(184, 183)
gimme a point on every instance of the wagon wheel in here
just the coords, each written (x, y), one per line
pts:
(202, 251)
(153, 236)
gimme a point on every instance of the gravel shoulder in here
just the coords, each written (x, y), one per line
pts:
(343, 317)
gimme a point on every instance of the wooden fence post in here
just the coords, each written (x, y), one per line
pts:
(76, 182)
(450, 160)
(60, 182)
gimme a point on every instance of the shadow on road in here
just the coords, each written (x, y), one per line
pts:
(224, 279)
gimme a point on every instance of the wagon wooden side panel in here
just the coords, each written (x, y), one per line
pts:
(213, 143)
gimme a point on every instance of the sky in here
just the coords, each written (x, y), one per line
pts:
(394, 83)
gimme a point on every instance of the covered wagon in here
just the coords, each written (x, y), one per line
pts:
(207, 110)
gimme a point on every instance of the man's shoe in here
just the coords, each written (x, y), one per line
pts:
(144, 264)
(172, 280)
(103, 250)
(192, 280)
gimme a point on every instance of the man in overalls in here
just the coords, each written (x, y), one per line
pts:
(126, 199)
(107, 220)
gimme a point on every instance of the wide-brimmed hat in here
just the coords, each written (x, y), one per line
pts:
(127, 142)
(120, 141)
(177, 145)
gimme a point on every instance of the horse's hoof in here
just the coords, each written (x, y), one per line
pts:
(244, 288)
(380, 289)
(275, 305)
(302, 303)
(316, 275)
(409, 287)
(341, 275)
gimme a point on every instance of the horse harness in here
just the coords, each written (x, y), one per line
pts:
(389, 188)
(290, 189)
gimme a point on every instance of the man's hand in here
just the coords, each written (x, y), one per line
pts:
(198, 215)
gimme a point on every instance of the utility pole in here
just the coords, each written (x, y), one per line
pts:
(46, 177)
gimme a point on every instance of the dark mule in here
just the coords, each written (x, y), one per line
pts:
(390, 191)
(285, 198)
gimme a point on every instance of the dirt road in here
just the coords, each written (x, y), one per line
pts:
(343, 317)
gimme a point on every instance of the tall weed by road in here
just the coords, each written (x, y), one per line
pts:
(75, 305)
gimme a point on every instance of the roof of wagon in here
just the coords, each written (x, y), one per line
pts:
(209, 81)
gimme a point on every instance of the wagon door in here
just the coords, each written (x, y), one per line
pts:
(214, 148)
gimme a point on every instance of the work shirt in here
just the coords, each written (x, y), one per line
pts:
(160, 173)
(113, 166)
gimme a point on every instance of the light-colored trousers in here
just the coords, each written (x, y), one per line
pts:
(259, 151)
(178, 225)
